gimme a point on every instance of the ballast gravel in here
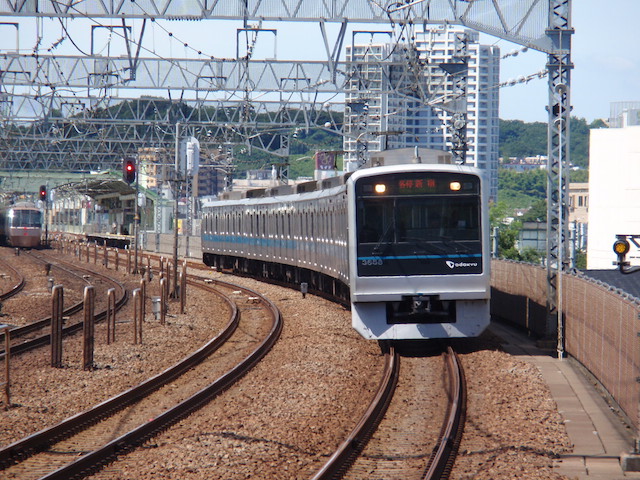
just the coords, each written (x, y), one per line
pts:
(285, 417)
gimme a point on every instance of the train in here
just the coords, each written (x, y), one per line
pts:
(21, 225)
(406, 245)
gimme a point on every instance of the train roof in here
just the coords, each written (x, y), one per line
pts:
(308, 188)
(282, 190)
(20, 205)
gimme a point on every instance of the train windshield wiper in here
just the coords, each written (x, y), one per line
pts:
(383, 241)
(459, 246)
(427, 246)
(444, 245)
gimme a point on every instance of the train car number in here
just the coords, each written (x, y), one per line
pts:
(372, 261)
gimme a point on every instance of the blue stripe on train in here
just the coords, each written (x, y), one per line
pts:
(240, 240)
(421, 257)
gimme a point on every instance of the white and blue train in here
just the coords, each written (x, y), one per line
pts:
(407, 245)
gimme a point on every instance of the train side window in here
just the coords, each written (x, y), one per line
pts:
(303, 224)
(325, 222)
(332, 227)
(274, 224)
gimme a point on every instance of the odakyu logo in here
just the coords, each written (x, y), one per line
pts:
(453, 265)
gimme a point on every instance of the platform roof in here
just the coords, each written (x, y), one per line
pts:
(65, 184)
(97, 187)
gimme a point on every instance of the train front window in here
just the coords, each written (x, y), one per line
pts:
(26, 218)
(402, 220)
(419, 226)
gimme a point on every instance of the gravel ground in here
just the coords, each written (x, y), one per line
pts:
(284, 418)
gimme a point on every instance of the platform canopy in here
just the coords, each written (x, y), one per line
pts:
(103, 186)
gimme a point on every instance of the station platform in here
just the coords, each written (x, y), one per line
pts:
(599, 437)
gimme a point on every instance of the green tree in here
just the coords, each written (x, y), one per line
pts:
(581, 260)
(507, 237)
(521, 189)
(498, 212)
(530, 255)
(537, 212)
(580, 176)
(519, 139)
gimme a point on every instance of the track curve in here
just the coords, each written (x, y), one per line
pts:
(99, 456)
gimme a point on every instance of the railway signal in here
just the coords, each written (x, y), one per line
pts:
(43, 193)
(621, 247)
(129, 170)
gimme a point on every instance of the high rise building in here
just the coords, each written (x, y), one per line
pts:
(402, 97)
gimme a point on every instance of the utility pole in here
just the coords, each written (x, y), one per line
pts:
(174, 294)
(559, 66)
(136, 222)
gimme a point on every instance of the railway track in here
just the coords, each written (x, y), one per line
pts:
(16, 281)
(151, 406)
(354, 460)
(40, 328)
(437, 459)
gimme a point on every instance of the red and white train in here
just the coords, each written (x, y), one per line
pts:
(21, 225)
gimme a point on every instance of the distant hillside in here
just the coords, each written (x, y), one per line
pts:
(520, 139)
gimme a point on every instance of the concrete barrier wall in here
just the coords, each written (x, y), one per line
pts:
(601, 324)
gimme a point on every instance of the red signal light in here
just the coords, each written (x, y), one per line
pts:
(129, 171)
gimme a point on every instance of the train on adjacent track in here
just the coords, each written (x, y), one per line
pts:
(407, 245)
(21, 225)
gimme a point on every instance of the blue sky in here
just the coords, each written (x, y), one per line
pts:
(606, 58)
(606, 53)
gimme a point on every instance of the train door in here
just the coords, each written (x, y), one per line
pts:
(305, 234)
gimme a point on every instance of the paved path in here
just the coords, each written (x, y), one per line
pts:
(599, 438)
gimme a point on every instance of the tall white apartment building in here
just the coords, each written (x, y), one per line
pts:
(385, 98)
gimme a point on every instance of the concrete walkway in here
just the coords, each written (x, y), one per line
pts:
(598, 436)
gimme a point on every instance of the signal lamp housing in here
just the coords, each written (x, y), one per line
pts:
(129, 171)
(621, 247)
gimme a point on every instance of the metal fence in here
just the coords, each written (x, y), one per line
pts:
(601, 324)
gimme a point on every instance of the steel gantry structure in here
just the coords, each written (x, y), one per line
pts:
(85, 112)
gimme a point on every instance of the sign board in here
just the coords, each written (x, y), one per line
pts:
(325, 160)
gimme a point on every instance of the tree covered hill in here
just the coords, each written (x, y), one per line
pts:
(520, 139)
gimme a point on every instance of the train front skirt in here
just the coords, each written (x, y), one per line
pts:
(376, 320)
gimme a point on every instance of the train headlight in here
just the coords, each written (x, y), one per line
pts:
(621, 247)
(380, 188)
(455, 186)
